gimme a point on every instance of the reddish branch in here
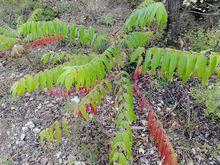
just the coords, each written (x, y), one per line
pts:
(45, 41)
(162, 142)
(156, 130)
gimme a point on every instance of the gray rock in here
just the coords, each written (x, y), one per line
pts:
(30, 125)
(75, 100)
(24, 129)
(36, 130)
(59, 154)
(60, 161)
(218, 160)
(22, 137)
(39, 106)
(50, 105)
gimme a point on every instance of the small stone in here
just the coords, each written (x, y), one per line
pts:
(44, 160)
(151, 152)
(199, 158)
(46, 102)
(30, 125)
(22, 136)
(9, 145)
(190, 162)
(141, 150)
(78, 163)
(36, 130)
(193, 151)
(12, 108)
(50, 105)
(75, 100)
(60, 160)
(59, 154)
(39, 106)
(144, 122)
(24, 129)
(218, 159)
(31, 98)
(3, 105)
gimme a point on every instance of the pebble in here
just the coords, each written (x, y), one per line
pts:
(141, 150)
(78, 163)
(3, 105)
(9, 145)
(36, 130)
(59, 154)
(218, 159)
(24, 129)
(151, 152)
(30, 125)
(75, 100)
(22, 137)
(60, 161)
(50, 105)
(194, 151)
(39, 106)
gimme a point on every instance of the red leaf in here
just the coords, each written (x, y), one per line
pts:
(94, 111)
(143, 103)
(137, 73)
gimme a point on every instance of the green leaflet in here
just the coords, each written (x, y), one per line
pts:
(56, 28)
(182, 65)
(201, 65)
(165, 62)
(147, 61)
(46, 57)
(72, 33)
(213, 63)
(63, 27)
(65, 127)
(173, 62)
(49, 78)
(191, 62)
(156, 60)
(29, 83)
(136, 54)
(58, 134)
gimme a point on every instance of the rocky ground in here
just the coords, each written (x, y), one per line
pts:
(195, 138)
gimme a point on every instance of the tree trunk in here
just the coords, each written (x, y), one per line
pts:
(173, 28)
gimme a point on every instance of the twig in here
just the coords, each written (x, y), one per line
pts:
(174, 107)
(207, 14)
(138, 128)
(189, 117)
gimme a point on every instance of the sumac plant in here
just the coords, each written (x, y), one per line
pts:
(94, 72)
